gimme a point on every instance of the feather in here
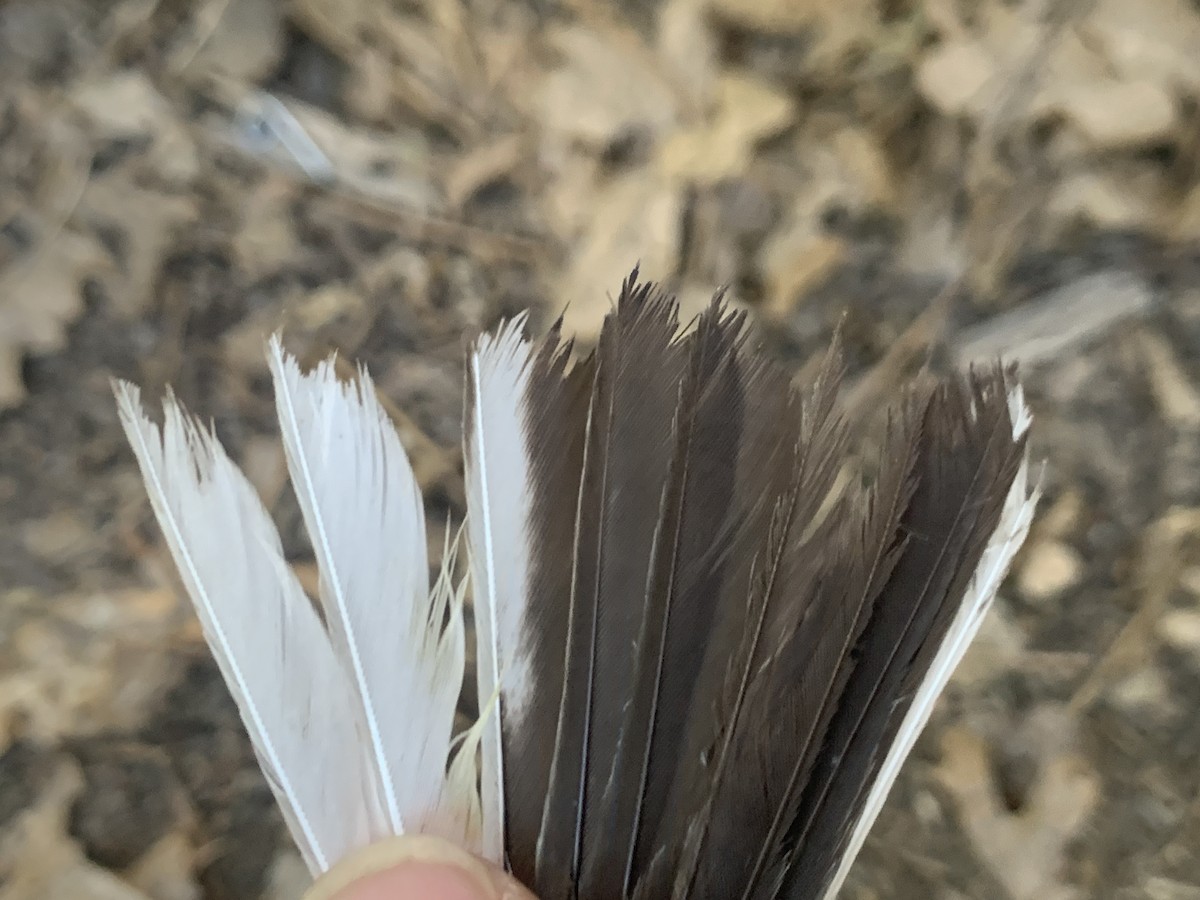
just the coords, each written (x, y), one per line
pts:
(626, 456)
(781, 445)
(401, 645)
(1015, 520)
(831, 575)
(524, 430)
(523, 437)
(968, 460)
(683, 584)
(267, 639)
(497, 478)
(703, 649)
(775, 592)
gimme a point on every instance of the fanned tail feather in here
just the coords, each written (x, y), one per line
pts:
(705, 645)
(722, 576)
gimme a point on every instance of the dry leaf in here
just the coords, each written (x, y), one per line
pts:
(1155, 40)
(141, 202)
(483, 165)
(1105, 198)
(124, 104)
(267, 241)
(633, 218)
(1159, 888)
(687, 44)
(843, 168)
(603, 90)
(167, 870)
(1049, 569)
(1144, 691)
(38, 860)
(747, 111)
(370, 88)
(38, 300)
(1181, 629)
(954, 77)
(98, 662)
(998, 648)
(1175, 394)
(1114, 114)
(147, 222)
(339, 26)
(1024, 849)
(798, 260)
(127, 106)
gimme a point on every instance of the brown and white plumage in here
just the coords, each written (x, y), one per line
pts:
(703, 651)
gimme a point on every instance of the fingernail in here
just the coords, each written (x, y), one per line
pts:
(415, 866)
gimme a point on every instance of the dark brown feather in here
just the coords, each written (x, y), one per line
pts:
(684, 583)
(799, 454)
(729, 637)
(965, 464)
(832, 576)
(556, 417)
(626, 459)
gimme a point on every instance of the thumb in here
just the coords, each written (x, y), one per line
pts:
(415, 867)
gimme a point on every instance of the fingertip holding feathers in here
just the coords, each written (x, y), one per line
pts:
(704, 646)
(415, 867)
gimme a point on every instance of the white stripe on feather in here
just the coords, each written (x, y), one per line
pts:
(1015, 520)
(402, 644)
(266, 637)
(498, 497)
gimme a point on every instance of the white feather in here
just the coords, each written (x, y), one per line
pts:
(498, 496)
(402, 645)
(267, 639)
(458, 811)
(1015, 519)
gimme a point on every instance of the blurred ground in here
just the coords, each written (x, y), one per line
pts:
(385, 178)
